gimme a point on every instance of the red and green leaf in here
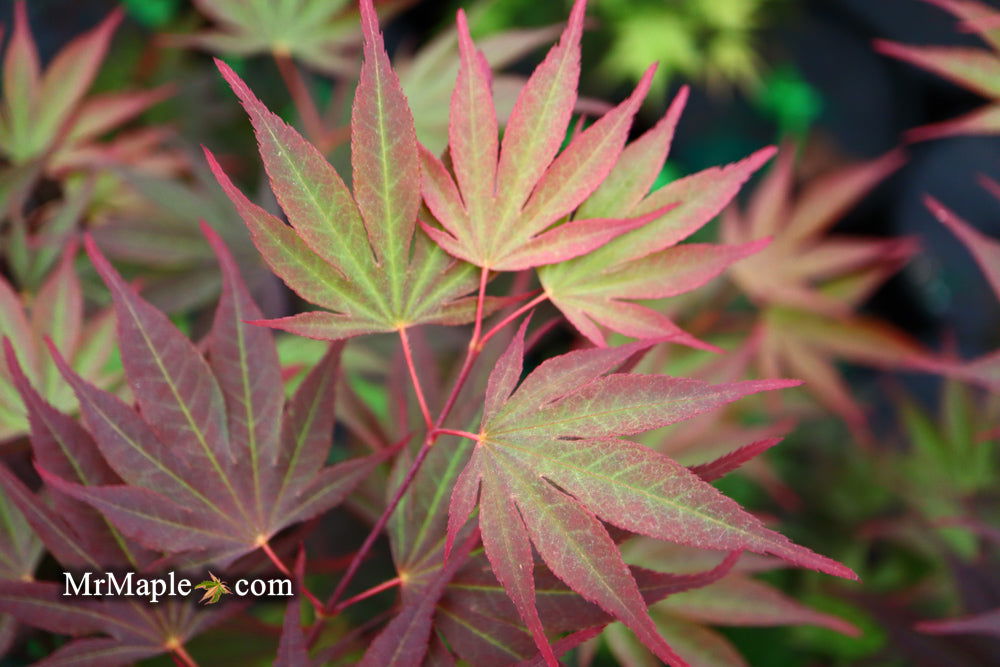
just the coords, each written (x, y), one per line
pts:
(320, 33)
(498, 208)
(55, 313)
(550, 459)
(358, 254)
(598, 290)
(809, 283)
(46, 109)
(975, 69)
(239, 468)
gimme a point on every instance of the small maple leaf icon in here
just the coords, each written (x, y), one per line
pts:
(214, 589)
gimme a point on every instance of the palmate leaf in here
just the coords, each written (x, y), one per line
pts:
(599, 289)
(46, 108)
(81, 539)
(809, 283)
(320, 33)
(504, 196)
(466, 605)
(548, 464)
(358, 254)
(480, 623)
(802, 256)
(240, 465)
(214, 589)
(56, 312)
(975, 69)
(132, 629)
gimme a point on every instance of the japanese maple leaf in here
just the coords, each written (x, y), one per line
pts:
(461, 600)
(986, 251)
(241, 464)
(357, 254)
(809, 284)
(320, 33)
(214, 588)
(81, 539)
(975, 69)
(504, 196)
(47, 115)
(105, 632)
(471, 611)
(951, 449)
(598, 291)
(549, 463)
(55, 311)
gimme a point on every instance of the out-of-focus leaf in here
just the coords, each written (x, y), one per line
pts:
(741, 601)
(55, 312)
(46, 113)
(987, 623)
(156, 239)
(975, 69)
(320, 33)
(809, 283)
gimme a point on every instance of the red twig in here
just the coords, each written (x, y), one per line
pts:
(471, 354)
(181, 655)
(376, 530)
(450, 431)
(510, 318)
(313, 600)
(408, 355)
(374, 590)
(418, 461)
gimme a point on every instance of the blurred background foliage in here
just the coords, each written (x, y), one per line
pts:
(910, 510)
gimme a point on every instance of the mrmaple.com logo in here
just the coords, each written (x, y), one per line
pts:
(153, 589)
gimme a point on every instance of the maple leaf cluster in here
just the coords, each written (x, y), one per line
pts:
(538, 502)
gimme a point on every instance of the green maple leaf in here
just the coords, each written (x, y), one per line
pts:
(215, 588)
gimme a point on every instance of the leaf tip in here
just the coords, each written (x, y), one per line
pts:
(763, 155)
(112, 20)
(888, 48)
(576, 16)
(100, 262)
(369, 24)
(21, 16)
